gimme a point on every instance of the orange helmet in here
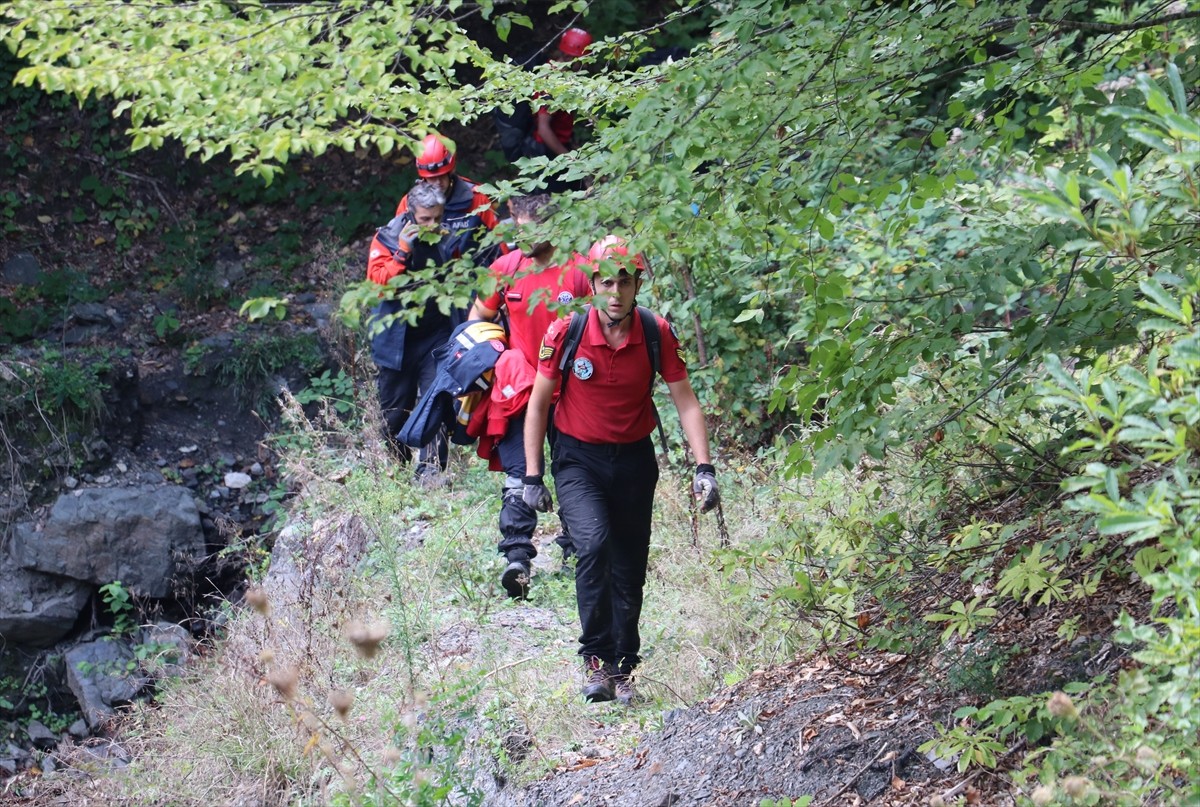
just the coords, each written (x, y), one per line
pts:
(574, 42)
(613, 248)
(436, 157)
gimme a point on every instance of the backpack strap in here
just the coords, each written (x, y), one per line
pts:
(652, 338)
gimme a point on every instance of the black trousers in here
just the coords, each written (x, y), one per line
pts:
(518, 521)
(606, 493)
(399, 389)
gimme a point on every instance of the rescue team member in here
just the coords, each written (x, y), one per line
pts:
(404, 354)
(604, 465)
(526, 280)
(555, 129)
(466, 209)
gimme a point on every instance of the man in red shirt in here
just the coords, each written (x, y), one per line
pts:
(604, 465)
(526, 281)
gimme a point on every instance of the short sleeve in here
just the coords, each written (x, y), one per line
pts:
(674, 368)
(552, 343)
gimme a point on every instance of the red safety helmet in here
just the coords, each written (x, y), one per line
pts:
(613, 248)
(436, 158)
(575, 42)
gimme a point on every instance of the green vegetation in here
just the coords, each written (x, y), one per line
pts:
(249, 364)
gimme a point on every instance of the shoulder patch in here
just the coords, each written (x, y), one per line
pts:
(679, 353)
(546, 353)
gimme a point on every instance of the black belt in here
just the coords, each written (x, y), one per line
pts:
(612, 448)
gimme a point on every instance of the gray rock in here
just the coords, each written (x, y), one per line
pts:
(103, 675)
(82, 334)
(22, 269)
(138, 535)
(90, 314)
(36, 609)
(40, 736)
(169, 649)
(237, 480)
(8, 767)
(79, 729)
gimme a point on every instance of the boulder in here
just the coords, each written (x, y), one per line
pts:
(103, 675)
(40, 736)
(22, 269)
(37, 609)
(143, 536)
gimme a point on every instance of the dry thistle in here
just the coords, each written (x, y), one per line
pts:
(367, 638)
(257, 599)
(285, 680)
(266, 657)
(341, 701)
(1077, 787)
(1061, 705)
(1147, 759)
(391, 756)
(1042, 795)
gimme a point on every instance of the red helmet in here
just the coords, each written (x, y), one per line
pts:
(436, 157)
(613, 248)
(575, 42)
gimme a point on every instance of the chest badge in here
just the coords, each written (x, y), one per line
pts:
(583, 369)
(565, 297)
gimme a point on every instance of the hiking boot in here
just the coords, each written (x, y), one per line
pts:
(515, 579)
(597, 680)
(623, 688)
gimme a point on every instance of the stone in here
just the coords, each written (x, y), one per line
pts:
(103, 675)
(22, 269)
(169, 649)
(90, 313)
(36, 609)
(70, 482)
(256, 469)
(79, 729)
(142, 536)
(237, 480)
(40, 736)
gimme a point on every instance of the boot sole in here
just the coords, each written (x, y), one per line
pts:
(515, 581)
(597, 694)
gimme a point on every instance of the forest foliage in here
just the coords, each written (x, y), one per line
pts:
(960, 233)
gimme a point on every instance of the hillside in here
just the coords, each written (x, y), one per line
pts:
(945, 330)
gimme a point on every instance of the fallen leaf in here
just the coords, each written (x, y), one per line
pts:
(973, 796)
(898, 783)
(98, 240)
(45, 219)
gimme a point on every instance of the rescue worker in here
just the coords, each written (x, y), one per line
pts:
(603, 459)
(526, 280)
(466, 209)
(405, 354)
(555, 129)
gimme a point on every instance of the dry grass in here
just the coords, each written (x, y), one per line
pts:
(253, 724)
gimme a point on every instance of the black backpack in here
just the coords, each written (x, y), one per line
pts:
(516, 128)
(653, 348)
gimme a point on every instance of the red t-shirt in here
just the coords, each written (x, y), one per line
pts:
(562, 123)
(561, 284)
(608, 399)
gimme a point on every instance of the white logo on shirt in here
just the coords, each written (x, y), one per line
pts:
(582, 369)
(565, 297)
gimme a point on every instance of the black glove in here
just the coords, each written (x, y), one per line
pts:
(535, 494)
(704, 486)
